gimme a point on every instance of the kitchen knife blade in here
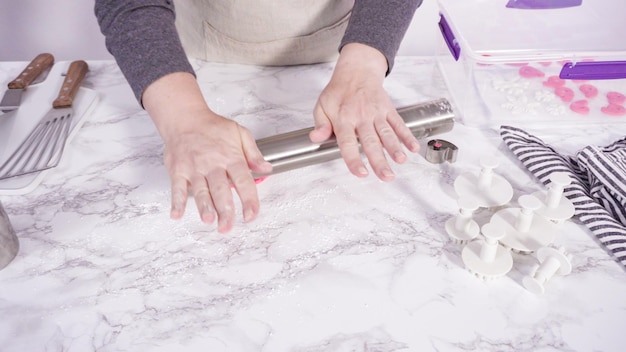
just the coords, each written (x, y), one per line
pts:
(13, 96)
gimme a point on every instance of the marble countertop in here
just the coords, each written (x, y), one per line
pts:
(333, 263)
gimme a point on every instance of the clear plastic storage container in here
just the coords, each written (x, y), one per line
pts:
(534, 61)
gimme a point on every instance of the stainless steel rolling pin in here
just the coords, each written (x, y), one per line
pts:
(294, 149)
(9, 244)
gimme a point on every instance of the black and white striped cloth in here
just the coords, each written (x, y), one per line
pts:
(598, 188)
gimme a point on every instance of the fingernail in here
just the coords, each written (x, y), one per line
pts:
(362, 171)
(208, 215)
(175, 212)
(399, 156)
(388, 173)
(266, 164)
(248, 214)
(224, 225)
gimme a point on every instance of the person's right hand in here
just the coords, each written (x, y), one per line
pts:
(205, 153)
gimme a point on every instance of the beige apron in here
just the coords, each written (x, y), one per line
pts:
(262, 32)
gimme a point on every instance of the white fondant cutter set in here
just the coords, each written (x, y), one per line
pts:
(529, 228)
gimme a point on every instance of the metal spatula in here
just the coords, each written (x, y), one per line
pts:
(30, 75)
(43, 148)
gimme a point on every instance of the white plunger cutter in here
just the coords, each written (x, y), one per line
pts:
(525, 232)
(487, 188)
(553, 261)
(525, 217)
(487, 259)
(556, 206)
(462, 228)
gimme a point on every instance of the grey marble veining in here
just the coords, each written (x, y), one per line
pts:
(333, 263)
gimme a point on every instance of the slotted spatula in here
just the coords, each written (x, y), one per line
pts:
(43, 147)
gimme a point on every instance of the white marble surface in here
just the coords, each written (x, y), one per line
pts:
(333, 263)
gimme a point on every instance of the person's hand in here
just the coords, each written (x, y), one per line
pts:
(355, 107)
(204, 153)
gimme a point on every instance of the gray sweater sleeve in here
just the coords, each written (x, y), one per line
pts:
(380, 24)
(142, 37)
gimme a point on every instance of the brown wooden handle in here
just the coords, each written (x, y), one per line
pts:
(73, 79)
(39, 64)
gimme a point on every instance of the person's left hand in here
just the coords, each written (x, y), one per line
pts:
(355, 107)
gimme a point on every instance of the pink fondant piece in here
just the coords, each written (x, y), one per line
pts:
(530, 72)
(564, 93)
(614, 110)
(615, 98)
(256, 180)
(590, 91)
(554, 81)
(580, 107)
(260, 179)
(545, 63)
